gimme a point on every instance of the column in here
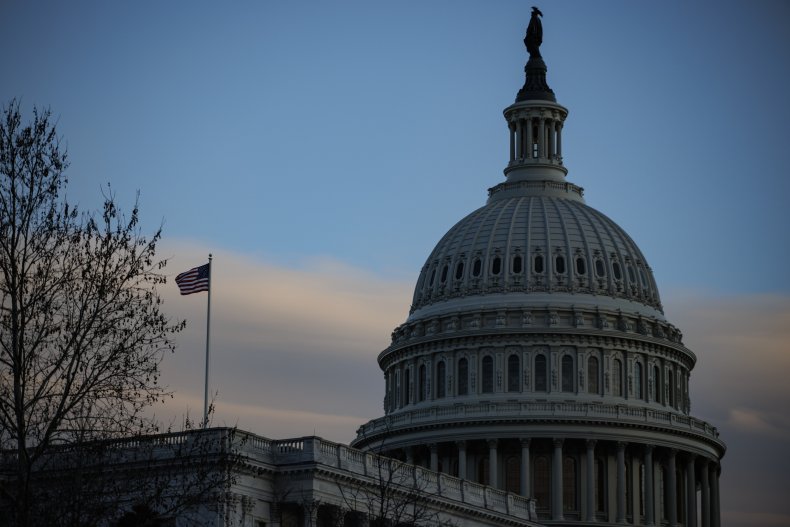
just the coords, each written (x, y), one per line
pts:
(310, 518)
(492, 463)
(550, 142)
(559, 140)
(556, 481)
(620, 518)
(526, 491)
(530, 139)
(461, 459)
(672, 492)
(704, 476)
(691, 492)
(519, 138)
(434, 448)
(649, 494)
(542, 138)
(512, 128)
(589, 514)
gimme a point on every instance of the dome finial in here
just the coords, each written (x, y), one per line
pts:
(535, 86)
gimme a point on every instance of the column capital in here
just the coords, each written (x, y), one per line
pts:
(591, 443)
(558, 442)
(648, 448)
(525, 442)
(492, 443)
(433, 447)
(461, 444)
(621, 445)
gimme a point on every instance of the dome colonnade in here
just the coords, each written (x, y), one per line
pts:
(536, 357)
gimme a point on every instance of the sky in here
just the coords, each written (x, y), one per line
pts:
(319, 150)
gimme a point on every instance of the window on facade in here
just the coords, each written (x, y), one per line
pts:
(618, 274)
(542, 482)
(477, 267)
(444, 274)
(463, 377)
(599, 268)
(517, 265)
(569, 499)
(487, 379)
(513, 374)
(459, 270)
(643, 277)
(538, 264)
(617, 377)
(559, 264)
(433, 276)
(483, 470)
(540, 374)
(496, 266)
(421, 384)
(580, 267)
(638, 380)
(592, 375)
(567, 374)
(631, 275)
(406, 390)
(440, 380)
(513, 474)
(600, 485)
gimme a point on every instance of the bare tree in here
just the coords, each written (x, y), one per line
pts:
(81, 328)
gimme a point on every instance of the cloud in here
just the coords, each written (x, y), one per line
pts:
(292, 349)
(740, 385)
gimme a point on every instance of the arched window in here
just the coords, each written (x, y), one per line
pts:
(567, 374)
(406, 382)
(542, 482)
(617, 377)
(569, 498)
(496, 266)
(592, 375)
(517, 265)
(459, 270)
(559, 264)
(444, 274)
(538, 264)
(421, 384)
(540, 374)
(638, 380)
(487, 377)
(513, 474)
(580, 267)
(440, 380)
(397, 392)
(631, 274)
(433, 276)
(477, 267)
(599, 268)
(671, 383)
(618, 274)
(513, 374)
(657, 384)
(463, 377)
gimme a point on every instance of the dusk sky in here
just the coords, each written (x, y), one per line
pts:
(320, 149)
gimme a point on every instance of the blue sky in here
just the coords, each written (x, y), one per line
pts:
(321, 149)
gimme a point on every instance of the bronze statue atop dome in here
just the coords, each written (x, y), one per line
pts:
(534, 37)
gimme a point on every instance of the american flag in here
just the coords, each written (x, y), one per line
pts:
(194, 281)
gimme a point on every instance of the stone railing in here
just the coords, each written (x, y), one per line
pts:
(372, 467)
(618, 413)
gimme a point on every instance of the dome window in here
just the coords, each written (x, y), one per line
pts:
(643, 277)
(631, 274)
(538, 264)
(444, 273)
(559, 264)
(496, 266)
(599, 268)
(477, 267)
(517, 265)
(433, 277)
(459, 270)
(618, 274)
(580, 267)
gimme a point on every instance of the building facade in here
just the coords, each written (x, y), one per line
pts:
(536, 357)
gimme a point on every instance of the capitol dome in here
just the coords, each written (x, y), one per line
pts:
(536, 357)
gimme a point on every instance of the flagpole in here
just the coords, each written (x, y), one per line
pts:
(208, 334)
